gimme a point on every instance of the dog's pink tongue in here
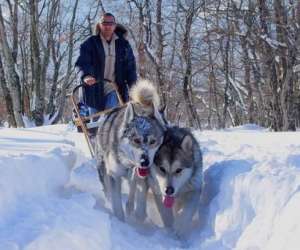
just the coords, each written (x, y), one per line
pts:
(142, 172)
(168, 201)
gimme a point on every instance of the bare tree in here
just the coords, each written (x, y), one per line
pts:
(7, 97)
(12, 76)
(67, 78)
(189, 14)
(139, 39)
(213, 106)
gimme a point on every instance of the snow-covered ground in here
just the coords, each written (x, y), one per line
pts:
(50, 197)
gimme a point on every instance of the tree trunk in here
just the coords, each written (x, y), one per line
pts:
(159, 52)
(38, 98)
(13, 79)
(140, 41)
(226, 92)
(187, 78)
(8, 101)
(62, 99)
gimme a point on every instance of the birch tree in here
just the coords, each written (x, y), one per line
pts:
(11, 74)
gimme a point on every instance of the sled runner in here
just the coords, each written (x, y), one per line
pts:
(85, 122)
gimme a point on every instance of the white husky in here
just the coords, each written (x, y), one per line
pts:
(127, 141)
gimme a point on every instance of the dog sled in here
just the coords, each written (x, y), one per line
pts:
(85, 122)
(131, 141)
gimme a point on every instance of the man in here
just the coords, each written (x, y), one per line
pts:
(104, 58)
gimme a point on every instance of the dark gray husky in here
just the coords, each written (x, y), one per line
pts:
(177, 179)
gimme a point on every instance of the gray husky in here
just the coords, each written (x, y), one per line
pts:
(127, 140)
(176, 179)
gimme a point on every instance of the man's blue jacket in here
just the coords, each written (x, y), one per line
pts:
(91, 62)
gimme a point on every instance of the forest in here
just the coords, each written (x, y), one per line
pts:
(215, 63)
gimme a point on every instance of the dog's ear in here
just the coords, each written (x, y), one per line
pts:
(187, 144)
(163, 113)
(160, 118)
(162, 109)
(129, 113)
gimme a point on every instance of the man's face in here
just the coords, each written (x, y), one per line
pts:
(107, 26)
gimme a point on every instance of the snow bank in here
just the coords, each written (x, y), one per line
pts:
(252, 190)
(37, 211)
(50, 196)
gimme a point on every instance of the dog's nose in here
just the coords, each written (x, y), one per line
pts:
(144, 160)
(169, 190)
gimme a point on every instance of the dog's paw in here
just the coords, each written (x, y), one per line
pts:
(180, 230)
(140, 216)
(184, 243)
(129, 208)
(120, 216)
(179, 234)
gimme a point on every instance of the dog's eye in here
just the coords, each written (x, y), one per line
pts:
(178, 170)
(152, 142)
(162, 169)
(137, 141)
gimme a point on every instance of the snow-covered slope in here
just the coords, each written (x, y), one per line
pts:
(50, 197)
